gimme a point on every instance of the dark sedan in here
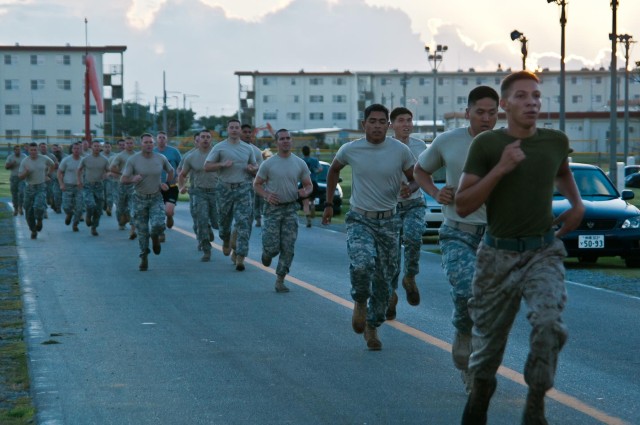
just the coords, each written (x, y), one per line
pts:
(318, 202)
(611, 226)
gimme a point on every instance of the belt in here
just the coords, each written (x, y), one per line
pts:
(474, 229)
(527, 243)
(149, 196)
(206, 189)
(411, 202)
(234, 185)
(375, 214)
(35, 185)
(283, 204)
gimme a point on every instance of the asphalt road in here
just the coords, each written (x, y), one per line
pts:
(200, 343)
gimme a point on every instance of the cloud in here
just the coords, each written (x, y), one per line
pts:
(141, 14)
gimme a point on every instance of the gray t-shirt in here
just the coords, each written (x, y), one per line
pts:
(95, 168)
(240, 153)
(282, 176)
(121, 159)
(193, 163)
(38, 169)
(15, 162)
(377, 172)
(68, 167)
(416, 146)
(450, 150)
(150, 169)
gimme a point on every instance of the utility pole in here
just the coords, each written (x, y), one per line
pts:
(613, 100)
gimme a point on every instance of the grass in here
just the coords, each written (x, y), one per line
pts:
(5, 188)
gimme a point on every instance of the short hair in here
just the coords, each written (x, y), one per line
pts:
(120, 140)
(204, 130)
(376, 107)
(233, 120)
(482, 92)
(129, 138)
(34, 144)
(145, 135)
(401, 110)
(243, 126)
(106, 142)
(43, 143)
(516, 76)
(279, 131)
(306, 151)
(161, 132)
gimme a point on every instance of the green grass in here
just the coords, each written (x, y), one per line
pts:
(5, 188)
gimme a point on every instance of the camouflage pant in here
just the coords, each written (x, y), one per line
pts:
(72, 202)
(149, 217)
(56, 194)
(125, 200)
(206, 215)
(412, 216)
(94, 201)
(35, 203)
(373, 251)
(17, 191)
(501, 280)
(279, 234)
(236, 207)
(258, 205)
(110, 192)
(459, 263)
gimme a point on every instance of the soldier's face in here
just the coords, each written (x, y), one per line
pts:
(147, 144)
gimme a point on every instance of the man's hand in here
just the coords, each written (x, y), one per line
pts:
(569, 220)
(512, 155)
(327, 214)
(445, 195)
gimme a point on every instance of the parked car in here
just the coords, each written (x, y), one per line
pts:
(631, 169)
(433, 216)
(322, 191)
(632, 180)
(610, 227)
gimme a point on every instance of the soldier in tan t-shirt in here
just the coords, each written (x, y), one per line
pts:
(35, 169)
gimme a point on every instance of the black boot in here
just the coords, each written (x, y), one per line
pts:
(534, 409)
(475, 411)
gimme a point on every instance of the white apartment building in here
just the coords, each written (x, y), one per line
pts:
(42, 91)
(311, 100)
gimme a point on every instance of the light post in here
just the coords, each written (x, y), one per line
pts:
(177, 113)
(613, 98)
(626, 40)
(435, 59)
(563, 24)
(517, 35)
(184, 100)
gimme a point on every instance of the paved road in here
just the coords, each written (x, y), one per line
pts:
(199, 343)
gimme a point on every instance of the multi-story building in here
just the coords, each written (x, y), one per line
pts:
(312, 100)
(42, 91)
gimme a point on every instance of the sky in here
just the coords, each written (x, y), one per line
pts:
(199, 44)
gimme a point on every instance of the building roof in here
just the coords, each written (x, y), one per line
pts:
(301, 72)
(102, 49)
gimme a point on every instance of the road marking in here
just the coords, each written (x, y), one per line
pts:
(506, 372)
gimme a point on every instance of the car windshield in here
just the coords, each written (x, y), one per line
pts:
(322, 175)
(592, 182)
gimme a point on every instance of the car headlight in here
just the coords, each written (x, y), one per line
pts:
(632, 223)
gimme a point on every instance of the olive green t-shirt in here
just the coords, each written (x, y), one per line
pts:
(520, 204)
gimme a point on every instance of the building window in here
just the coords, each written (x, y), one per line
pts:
(294, 81)
(425, 100)
(497, 81)
(37, 84)
(269, 115)
(465, 81)
(316, 81)
(461, 100)
(479, 81)
(10, 59)
(339, 116)
(339, 98)
(38, 109)
(92, 110)
(316, 116)
(38, 134)
(63, 109)
(64, 133)
(385, 81)
(574, 80)
(266, 81)
(440, 81)
(12, 134)
(316, 98)
(339, 81)
(64, 84)
(63, 59)
(37, 59)
(293, 116)
(440, 100)
(598, 80)
(12, 109)
(423, 81)
(268, 98)
(12, 84)
(294, 98)
(598, 98)
(576, 98)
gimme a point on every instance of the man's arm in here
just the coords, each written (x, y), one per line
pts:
(79, 172)
(408, 188)
(307, 188)
(332, 181)
(572, 217)
(473, 190)
(424, 179)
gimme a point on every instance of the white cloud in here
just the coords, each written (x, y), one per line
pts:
(142, 12)
(248, 10)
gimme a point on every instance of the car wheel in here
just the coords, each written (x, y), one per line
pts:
(632, 262)
(587, 259)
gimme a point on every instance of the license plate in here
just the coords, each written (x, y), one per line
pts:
(316, 201)
(590, 241)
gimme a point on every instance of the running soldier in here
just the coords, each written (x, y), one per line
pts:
(51, 178)
(72, 200)
(124, 208)
(373, 224)
(258, 203)
(170, 196)
(17, 186)
(91, 173)
(34, 170)
(110, 183)
(277, 182)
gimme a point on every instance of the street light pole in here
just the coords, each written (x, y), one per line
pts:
(613, 100)
(517, 35)
(626, 40)
(563, 24)
(435, 59)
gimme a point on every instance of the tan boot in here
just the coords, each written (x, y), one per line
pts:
(234, 238)
(280, 286)
(239, 263)
(359, 318)
(391, 309)
(206, 257)
(461, 350)
(371, 336)
(226, 248)
(144, 263)
(409, 285)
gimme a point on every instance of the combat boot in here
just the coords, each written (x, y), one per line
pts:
(67, 219)
(226, 248)
(155, 244)
(391, 309)
(409, 285)
(371, 336)
(358, 320)
(475, 411)
(280, 286)
(144, 263)
(234, 239)
(461, 350)
(266, 260)
(206, 257)
(308, 221)
(239, 263)
(534, 409)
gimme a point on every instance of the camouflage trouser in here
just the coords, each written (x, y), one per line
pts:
(149, 216)
(236, 207)
(94, 201)
(206, 215)
(17, 191)
(56, 194)
(373, 251)
(412, 215)
(72, 202)
(279, 234)
(501, 280)
(110, 192)
(192, 209)
(459, 263)
(125, 200)
(258, 205)
(35, 203)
